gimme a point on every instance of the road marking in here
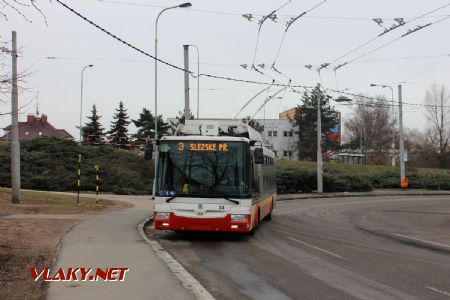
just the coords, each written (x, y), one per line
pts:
(315, 247)
(425, 241)
(414, 212)
(438, 291)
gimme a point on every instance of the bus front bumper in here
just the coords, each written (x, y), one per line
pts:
(225, 224)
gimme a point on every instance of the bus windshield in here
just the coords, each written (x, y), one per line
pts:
(213, 169)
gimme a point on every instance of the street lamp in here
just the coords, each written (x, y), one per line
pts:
(198, 77)
(81, 101)
(393, 129)
(183, 5)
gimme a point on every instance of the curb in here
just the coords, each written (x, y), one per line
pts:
(406, 240)
(369, 194)
(188, 281)
(55, 258)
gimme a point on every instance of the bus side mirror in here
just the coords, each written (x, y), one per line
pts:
(259, 156)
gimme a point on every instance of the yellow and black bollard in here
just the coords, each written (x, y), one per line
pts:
(97, 181)
(79, 180)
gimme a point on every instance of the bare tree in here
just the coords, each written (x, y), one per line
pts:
(6, 76)
(436, 99)
(370, 127)
(22, 8)
(421, 152)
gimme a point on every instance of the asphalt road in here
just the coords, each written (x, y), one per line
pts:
(327, 249)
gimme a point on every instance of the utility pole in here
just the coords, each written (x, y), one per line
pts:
(186, 82)
(319, 141)
(402, 144)
(15, 145)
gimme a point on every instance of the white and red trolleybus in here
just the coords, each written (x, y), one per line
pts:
(214, 176)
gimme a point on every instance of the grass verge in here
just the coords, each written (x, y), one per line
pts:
(27, 243)
(48, 203)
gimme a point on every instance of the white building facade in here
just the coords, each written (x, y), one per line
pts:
(283, 137)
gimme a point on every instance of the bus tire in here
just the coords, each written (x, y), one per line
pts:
(269, 216)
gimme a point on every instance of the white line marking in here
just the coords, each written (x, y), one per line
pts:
(315, 247)
(438, 291)
(425, 241)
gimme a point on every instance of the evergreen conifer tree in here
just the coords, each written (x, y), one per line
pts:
(93, 130)
(146, 125)
(119, 126)
(307, 123)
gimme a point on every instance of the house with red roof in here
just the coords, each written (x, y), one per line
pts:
(35, 127)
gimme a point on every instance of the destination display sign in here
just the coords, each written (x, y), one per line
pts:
(207, 147)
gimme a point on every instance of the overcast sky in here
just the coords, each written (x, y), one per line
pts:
(226, 40)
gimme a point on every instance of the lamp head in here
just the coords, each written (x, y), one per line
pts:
(373, 84)
(184, 5)
(90, 66)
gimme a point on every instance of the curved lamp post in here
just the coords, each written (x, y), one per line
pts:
(184, 5)
(81, 101)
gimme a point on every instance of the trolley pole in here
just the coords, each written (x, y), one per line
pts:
(319, 140)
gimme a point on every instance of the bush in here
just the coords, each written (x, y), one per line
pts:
(293, 180)
(299, 176)
(52, 164)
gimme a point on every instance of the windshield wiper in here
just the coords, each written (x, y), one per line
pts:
(234, 201)
(170, 199)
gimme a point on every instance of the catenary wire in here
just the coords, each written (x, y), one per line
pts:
(389, 30)
(218, 76)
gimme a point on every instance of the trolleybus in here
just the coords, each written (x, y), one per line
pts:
(214, 176)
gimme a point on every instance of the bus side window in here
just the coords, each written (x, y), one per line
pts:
(255, 177)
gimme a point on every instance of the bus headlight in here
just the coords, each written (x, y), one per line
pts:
(238, 218)
(162, 215)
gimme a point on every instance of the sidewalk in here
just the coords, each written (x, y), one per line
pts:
(376, 193)
(112, 240)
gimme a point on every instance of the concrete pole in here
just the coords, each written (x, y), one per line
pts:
(15, 145)
(393, 128)
(186, 82)
(319, 140)
(198, 80)
(402, 144)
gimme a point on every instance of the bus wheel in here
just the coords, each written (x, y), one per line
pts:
(269, 216)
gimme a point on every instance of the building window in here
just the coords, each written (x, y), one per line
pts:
(275, 133)
(290, 133)
(290, 153)
(296, 133)
(285, 153)
(285, 133)
(269, 133)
